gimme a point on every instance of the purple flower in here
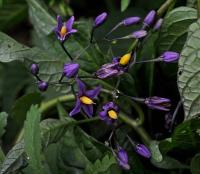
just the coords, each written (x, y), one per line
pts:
(158, 103)
(170, 56)
(34, 69)
(143, 150)
(131, 21)
(109, 112)
(118, 66)
(158, 24)
(122, 159)
(100, 19)
(150, 17)
(42, 86)
(63, 31)
(70, 69)
(138, 34)
(85, 99)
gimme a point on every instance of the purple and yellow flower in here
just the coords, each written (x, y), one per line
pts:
(118, 66)
(70, 69)
(34, 69)
(109, 112)
(84, 99)
(170, 56)
(42, 86)
(63, 31)
(143, 150)
(158, 103)
(100, 19)
(122, 159)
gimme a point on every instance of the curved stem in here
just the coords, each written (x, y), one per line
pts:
(164, 7)
(65, 50)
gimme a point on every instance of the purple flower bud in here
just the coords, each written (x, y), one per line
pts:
(34, 69)
(170, 56)
(131, 20)
(149, 19)
(100, 19)
(158, 103)
(122, 159)
(158, 24)
(143, 150)
(70, 69)
(138, 34)
(42, 86)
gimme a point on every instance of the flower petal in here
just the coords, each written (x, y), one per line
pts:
(76, 109)
(88, 109)
(81, 87)
(94, 92)
(103, 115)
(69, 24)
(59, 23)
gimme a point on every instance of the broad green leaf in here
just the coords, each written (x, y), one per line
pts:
(124, 4)
(32, 139)
(3, 122)
(18, 114)
(174, 29)
(195, 164)
(189, 73)
(14, 159)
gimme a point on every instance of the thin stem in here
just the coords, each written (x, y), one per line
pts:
(38, 78)
(61, 78)
(87, 120)
(113, 29)
(164, 7)
(133, 46)
(198, 8)
(63, 47)
(139, 129)
(92, 35)
(131, 141)
(147, 61)
(175, 114)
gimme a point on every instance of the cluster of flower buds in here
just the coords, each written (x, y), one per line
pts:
(42, 85)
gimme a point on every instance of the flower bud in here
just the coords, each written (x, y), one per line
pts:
(70, 69)
(34, 69)
(170, 56)
(158, 24)
(149, 19)
(138, 34)
(100, 19)
(143, 150)
(131, 21)
(122, 159)
(42, 86)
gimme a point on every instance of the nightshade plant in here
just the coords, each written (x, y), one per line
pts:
(91, 104)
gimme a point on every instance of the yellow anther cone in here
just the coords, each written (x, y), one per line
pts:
(63, 31)
(112, 114)
(124, 60)
(86, 100)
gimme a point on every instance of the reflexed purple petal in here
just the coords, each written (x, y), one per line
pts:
(59, 23)
(162, 108)
(93, 93)
(143, 150)
(107, 71)
(88, 109)
(76, 109)
(81, 87)
(108, 106)
(103, 115)
(69, 24)
(72, 31)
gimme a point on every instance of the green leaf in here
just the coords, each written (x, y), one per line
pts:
(124, 4)
(155, 152)
(195, 164)
(101, 166)
(3, 122)
(189, 73)
(32, 139)
(174, 29)
(192, 3)
(18, 114)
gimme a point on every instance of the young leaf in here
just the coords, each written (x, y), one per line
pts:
(124, 4)
(189, 73)
(32, 139)
(174, 29)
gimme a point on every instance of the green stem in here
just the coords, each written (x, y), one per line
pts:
(164, 7)
(139, 129)
(51, 103)
(198, 8)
